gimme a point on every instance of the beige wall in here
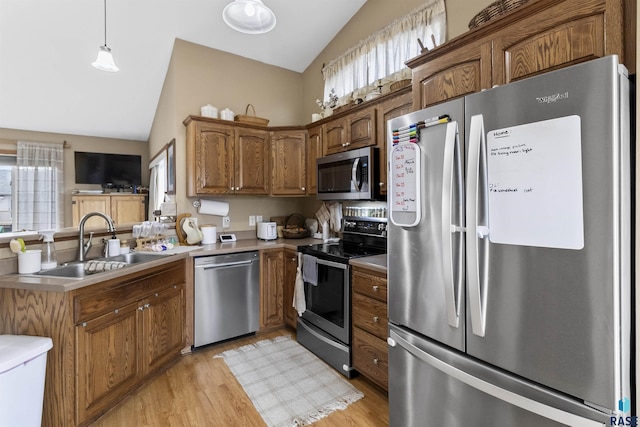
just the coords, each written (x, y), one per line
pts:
(198, 76)
(374, 15)
(9, 137)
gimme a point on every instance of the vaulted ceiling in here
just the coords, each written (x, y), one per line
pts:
(46, 47)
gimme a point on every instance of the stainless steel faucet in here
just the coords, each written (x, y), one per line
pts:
(83, 247)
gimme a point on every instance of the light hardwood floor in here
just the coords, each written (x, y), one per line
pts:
(199, 390)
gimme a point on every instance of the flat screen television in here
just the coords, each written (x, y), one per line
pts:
(119, 170)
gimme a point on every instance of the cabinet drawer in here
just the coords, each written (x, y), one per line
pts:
(370, 285)
(370, 315)
(370, 357)
(102, 298)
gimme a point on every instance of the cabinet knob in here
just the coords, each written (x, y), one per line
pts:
(375, 319)
(147, 305)
(375, 361)
(381, 184)
(303, 189)
(141, 308)
(156, 294)
(375, 288)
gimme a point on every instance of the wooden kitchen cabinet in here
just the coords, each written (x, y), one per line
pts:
(314, 150)
(355, 130)
(108, 337)
(290, 271)
(122, 208)
(369, 308)
(289, 162)
(271, 288)
(537, 37)
(399, 104)
(225, 158)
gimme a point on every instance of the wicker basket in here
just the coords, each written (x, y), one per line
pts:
(252, 120)
(496, 8)
(294, 227)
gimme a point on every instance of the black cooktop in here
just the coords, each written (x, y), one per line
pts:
(360, 238)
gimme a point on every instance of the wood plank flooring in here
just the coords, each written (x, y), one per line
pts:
(199, 390)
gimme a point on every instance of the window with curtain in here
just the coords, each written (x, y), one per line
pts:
(382, 55)
(157, 181)
(38, 187)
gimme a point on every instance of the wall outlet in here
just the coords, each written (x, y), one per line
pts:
(258, 218)
(226, 222)
(252, 220)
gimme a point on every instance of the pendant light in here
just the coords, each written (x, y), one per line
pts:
(104, 61)
(249, 16)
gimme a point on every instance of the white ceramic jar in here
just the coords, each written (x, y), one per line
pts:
(209, 111)
(227, 114)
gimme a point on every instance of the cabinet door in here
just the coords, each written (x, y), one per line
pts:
(290, 270)
(314, 150)
(210, 164)
(389, 109)
(335, 136)
(288, 163)
(82, 205)
(127, 209)
(362, 129)
(455, 73)
(558, 36)
(251, 161)
(271, 272)
(163, 326)
(107, 360)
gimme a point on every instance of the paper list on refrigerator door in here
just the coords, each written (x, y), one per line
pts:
(535, 184)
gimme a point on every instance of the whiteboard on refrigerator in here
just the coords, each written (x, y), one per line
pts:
(404, 176)
(535, 184)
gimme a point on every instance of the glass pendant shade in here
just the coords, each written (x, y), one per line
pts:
(104, 61)
(249, 16)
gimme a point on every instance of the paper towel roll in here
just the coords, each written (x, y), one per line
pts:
(213, 207)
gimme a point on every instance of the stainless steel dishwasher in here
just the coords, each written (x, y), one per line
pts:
(227, 295)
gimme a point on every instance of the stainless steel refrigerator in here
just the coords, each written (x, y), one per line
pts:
(509, 255)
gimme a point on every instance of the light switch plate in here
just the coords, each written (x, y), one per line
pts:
(226, 222)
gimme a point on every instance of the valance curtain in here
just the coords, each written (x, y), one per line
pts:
(38, 187)
(383, 54)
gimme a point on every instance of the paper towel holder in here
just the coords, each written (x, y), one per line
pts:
(197, 204)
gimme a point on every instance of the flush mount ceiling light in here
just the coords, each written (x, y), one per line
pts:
(104, 61)
(249, 16)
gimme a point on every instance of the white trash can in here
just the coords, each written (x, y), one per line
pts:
(23, 363)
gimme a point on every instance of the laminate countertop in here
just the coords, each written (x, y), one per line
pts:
(375, 262)
(64, 284)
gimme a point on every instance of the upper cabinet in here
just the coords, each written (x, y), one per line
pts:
(288, 162)
(537, 37)
(226, 159)
(314, 150)
(355, 130)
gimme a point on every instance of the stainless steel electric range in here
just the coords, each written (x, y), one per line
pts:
(325, 326)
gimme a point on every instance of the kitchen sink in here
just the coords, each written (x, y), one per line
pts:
(76, 270)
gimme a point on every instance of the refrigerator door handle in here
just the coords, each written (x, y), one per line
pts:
(505, 395)
(476, 212)
(451, 228)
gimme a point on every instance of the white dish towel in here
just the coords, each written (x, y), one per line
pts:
(299, 302)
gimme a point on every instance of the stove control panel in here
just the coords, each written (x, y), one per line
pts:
(372, 228)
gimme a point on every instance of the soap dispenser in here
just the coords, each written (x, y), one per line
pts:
(49, 259)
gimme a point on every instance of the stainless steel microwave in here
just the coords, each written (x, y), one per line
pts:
(348, 176)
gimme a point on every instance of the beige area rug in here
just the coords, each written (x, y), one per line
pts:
(289, 385)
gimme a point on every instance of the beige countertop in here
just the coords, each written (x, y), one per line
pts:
(375, 262)
(61, 284)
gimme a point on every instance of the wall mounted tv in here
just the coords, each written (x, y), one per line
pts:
(119, 170)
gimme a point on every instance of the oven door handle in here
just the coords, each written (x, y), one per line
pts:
(331, 264)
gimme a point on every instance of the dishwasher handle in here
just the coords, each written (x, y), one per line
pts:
(225, 264)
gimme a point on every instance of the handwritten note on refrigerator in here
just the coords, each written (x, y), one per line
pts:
(404, 176)
(535, 184)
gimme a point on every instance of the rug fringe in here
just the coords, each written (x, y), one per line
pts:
(325, 411)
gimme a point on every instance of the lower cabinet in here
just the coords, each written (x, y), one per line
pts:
(271, 288)
(369, 311)
(290, 271)
(108, 337)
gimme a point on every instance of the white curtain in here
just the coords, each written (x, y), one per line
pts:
(38, 187)
(382, 55)
(157, 183)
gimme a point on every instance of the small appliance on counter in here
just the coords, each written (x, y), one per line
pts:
(267, 230)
